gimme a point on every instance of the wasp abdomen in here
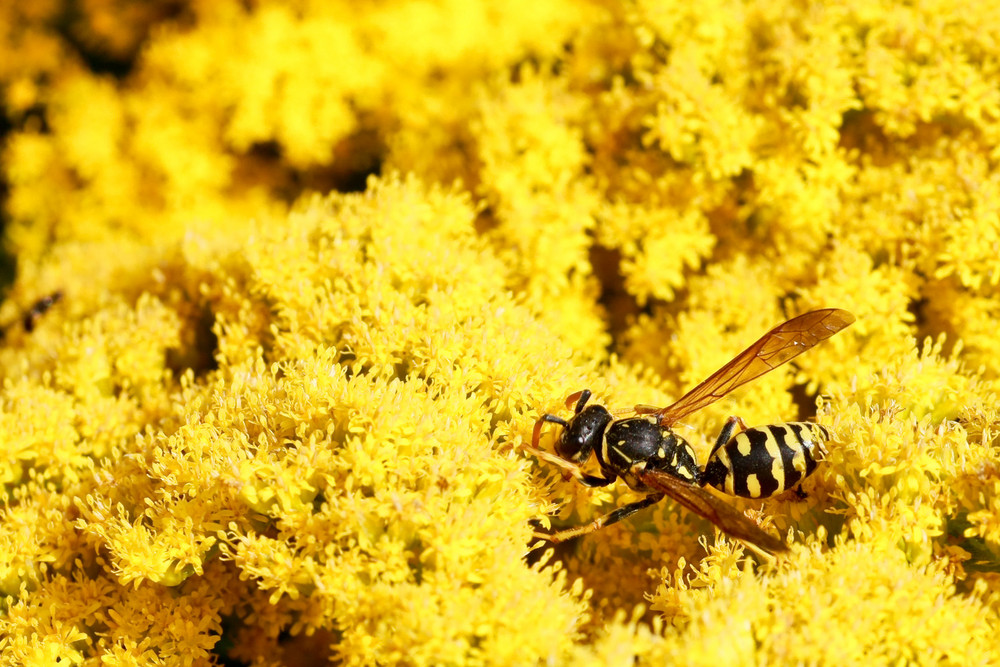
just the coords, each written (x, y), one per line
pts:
(767, 460)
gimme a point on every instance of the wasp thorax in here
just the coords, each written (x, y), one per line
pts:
(584, 431)
(640, 440)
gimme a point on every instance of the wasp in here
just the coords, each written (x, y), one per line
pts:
(651, 458)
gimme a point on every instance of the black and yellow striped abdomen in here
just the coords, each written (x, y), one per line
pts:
(764, 461)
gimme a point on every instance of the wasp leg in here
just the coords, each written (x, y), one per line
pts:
(571, 468)
(601, 522)
(727, 433)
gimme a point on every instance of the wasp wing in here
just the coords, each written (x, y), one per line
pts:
(704, 504)
(782, 343)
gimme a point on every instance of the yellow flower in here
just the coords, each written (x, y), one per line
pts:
(269, 424)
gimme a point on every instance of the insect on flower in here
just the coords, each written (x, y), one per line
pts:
(34, 314)
(650, 458)
(39, 308)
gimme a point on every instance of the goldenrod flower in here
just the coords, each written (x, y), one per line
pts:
(323, 266)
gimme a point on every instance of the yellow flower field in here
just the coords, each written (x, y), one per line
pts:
(314, 270)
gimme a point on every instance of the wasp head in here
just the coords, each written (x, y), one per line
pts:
(584, 431)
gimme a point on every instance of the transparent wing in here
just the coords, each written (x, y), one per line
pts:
(782, 343)
(704, 504)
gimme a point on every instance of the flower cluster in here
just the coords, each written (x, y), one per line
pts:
(262, 424)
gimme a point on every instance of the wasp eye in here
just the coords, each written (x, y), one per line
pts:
(568, 445)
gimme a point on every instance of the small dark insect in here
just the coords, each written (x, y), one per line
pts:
(651, 458)
(39, 308)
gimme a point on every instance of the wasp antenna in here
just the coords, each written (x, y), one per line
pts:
(536, 434)
(552, 419)
(580, 398)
